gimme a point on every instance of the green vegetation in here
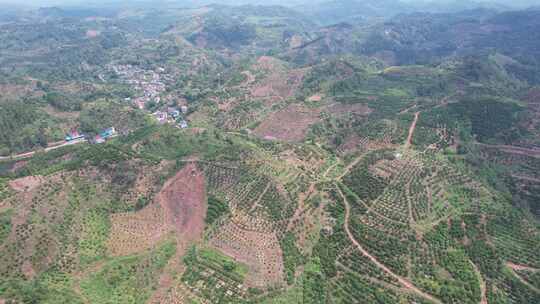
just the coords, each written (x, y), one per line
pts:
(5, 225)
(103, 114)
(128, 279)
(351, 208)
(95, 231)
(292, 257)
(24, 126)
(362, 182)
(216, 209)
(216, 275)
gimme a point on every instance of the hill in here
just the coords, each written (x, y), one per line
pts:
(356, 152)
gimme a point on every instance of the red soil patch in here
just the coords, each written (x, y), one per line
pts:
(26, 183)
(290, 124)
(282, 85)
(279, 83)
(183, 199)
(180, 206)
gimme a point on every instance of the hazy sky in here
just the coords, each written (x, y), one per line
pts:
(38, 3)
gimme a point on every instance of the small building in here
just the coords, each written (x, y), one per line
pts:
(108, 133)
(173, 112)
(161, 116)
(98, 139)
(73, 135)
(183, 124)
(140, 103)
(184, 109)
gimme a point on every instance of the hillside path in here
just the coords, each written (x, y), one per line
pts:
(514, 267)
(406, 283)
(483, 299)
(411, 130)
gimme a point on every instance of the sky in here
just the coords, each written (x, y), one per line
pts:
(43, 3)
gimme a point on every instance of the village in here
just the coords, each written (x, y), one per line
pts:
(149, 86)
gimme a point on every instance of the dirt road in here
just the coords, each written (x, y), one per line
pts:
(53, 147)
(411, 130)
(406, 283)
(514, 267)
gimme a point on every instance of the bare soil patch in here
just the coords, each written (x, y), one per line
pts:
(183, 199)
(180, 206)
(26, 183)
(279, 83)
(290, 124)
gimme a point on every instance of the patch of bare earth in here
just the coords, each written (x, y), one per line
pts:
(26, 183)
(180, 207)
(280, 83)
(183, 201)
(290, 124)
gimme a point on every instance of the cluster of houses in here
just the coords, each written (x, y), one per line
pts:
(149, 84)
(172, 115)
(97, 139)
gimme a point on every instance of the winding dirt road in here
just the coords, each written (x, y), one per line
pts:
(406, 283)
